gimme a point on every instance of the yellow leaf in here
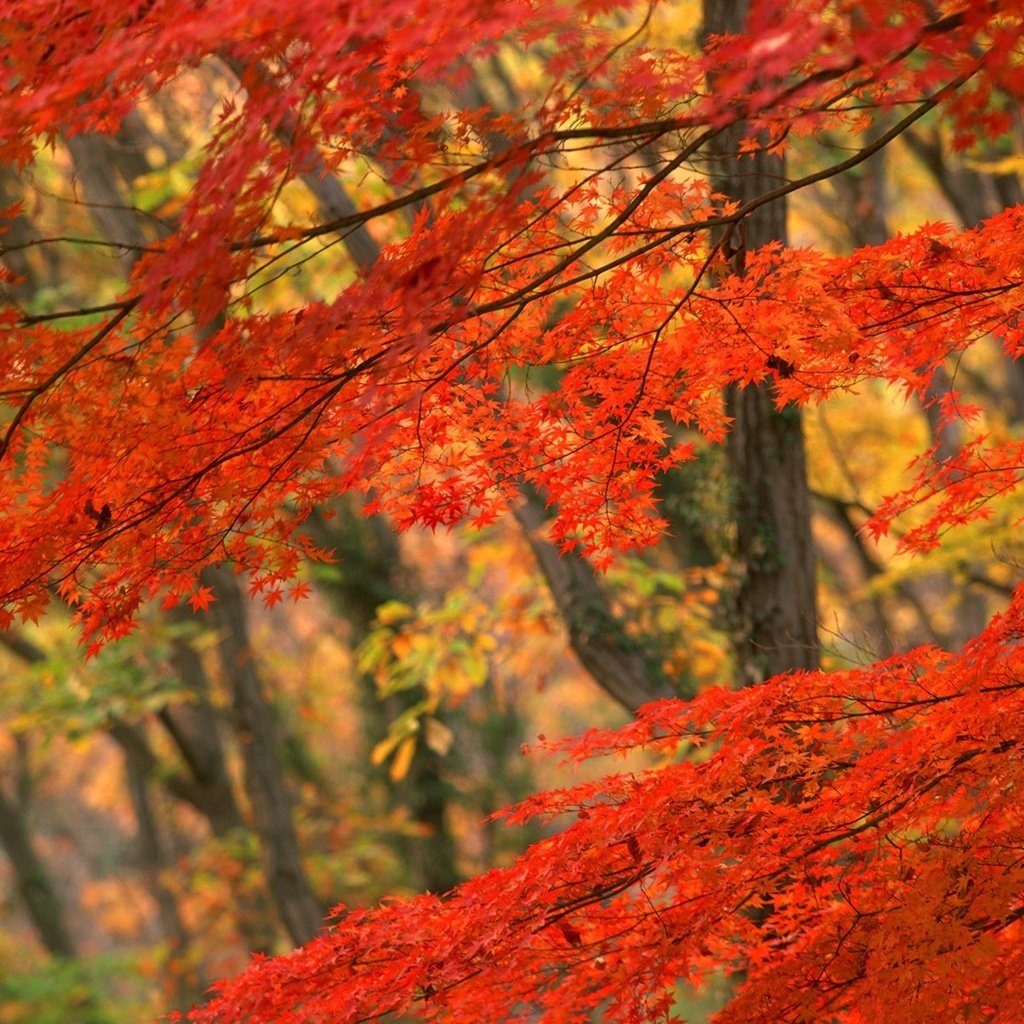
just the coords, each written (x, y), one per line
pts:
(401, 646)
(453, 679)
(391, 612)
(403, 758)
(1002, 165)
(380, 752)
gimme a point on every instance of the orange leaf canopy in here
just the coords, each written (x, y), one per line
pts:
(208, 425)
(549, 295)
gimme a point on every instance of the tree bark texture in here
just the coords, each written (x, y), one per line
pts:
(620, 665)
(32, 880)
(256, 730)
(31, 875)
(774, 606)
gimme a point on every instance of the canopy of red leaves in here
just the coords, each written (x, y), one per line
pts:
(851, 842)
(194, 416)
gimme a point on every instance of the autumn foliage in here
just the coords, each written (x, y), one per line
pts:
(552, 291)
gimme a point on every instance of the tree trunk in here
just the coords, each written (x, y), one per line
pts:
(32, 880)
(623, 667)
(188, 985)
(299, 911)
(31, 875)
(256, 729)
(774, 606)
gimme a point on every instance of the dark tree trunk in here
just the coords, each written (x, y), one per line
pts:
(33, 879)
(774, 606)
(95, 159)
(624, 668)
(299, 910)
(193, 726)
(189, 985)
(31, 875)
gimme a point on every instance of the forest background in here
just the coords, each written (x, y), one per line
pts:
(213, 782)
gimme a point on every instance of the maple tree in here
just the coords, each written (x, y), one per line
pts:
(567, 286)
